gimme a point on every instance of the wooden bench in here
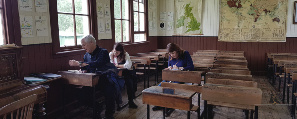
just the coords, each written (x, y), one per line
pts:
(228, 76)
(241, 97)
(232, 82)
(231, 71)
(182, 97)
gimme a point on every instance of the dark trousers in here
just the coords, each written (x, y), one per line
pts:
(108, 91)
(130, 83)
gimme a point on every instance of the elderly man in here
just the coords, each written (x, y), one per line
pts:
(96, 60)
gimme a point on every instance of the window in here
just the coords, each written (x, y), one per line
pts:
(2, 31)
(121, 19)
(73, 21)
(139, 21)
(123, 30)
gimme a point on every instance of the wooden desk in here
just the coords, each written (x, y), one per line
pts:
(155, 96)
(81, 79)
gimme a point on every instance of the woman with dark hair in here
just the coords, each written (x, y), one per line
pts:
(179, 59)
(121, 59)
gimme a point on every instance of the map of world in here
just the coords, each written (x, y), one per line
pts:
(253, 20)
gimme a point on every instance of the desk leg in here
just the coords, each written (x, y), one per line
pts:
(148, 76)
(157, 70)
(256, 112)
(94, 102)
(198, 112)
(189, 114)
(144, 76)
(284, 88)
(252, 114)
(205, 110)
(164, 111)
(148, 111)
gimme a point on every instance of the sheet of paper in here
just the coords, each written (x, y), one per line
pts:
(41, 25)
(101, 26)
(41, 5)
(100, 11)
(26, 26)
(107, 11)
(108, 26)
(25, 5)
(163, 16)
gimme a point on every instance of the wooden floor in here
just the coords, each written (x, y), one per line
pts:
(271, 108)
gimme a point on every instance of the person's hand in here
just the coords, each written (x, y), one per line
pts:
(82, 71)
(116, 65)
(169, 68)
(114, 52)
(73, 63)
(175, 67)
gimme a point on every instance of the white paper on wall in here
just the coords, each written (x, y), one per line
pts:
(25, 5)
(101, 26)
(26, 26)
(41, 5)
(108, 26)
(41, 26)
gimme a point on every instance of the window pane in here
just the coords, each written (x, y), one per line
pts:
(135, 5)
(125, 31)
(66, 30)
(118, 36)
(125, 10)
(141, 20)
(136, 21)
(81, 6)
(117, 9)
(139, 37)
(65, 6)
(82, 27)
(141, 7)
(1, 30)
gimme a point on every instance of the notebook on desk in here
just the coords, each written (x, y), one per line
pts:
(33, 79)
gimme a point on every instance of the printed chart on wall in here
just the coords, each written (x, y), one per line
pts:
(188, 17)
(103, 19)
(253, 20)
(34, 21)
(26, 26)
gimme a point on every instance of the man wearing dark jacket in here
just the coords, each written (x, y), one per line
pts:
(96, 60)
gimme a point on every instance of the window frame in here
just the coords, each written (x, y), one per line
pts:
(4, 22)
(74, 25)
(121, 20)
(131, 23)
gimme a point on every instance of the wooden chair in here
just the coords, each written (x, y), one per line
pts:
(142, 68)
(182, 98)
(19, 109)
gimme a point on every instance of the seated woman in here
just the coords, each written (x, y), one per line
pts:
(179, 59)
(121, 59)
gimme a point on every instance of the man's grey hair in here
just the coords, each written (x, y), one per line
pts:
(89, 39)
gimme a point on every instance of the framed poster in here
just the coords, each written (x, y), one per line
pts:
(295, 13)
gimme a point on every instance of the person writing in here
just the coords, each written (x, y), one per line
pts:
(121, 59)
(96, 60)
(179, 59)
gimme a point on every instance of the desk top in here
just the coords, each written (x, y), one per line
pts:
(180, 93)
(81, 79)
